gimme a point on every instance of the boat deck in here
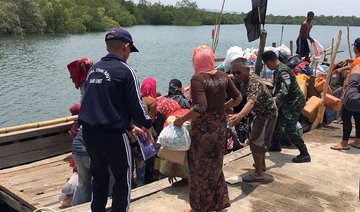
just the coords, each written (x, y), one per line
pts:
(35, 185)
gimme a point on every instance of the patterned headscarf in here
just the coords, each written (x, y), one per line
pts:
(203, 59)
(148, 87)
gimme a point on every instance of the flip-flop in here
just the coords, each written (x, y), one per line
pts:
(352, 145)
(251, 179)
(340, 148)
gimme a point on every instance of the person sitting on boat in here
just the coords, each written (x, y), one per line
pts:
(111, 100)
(303, 49)
(347, 114)
(145, 172)
(78, 70)
(261, 103)
(175, 92)
(148, 96)
(290, 101)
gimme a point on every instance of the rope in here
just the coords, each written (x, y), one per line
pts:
(217, 28)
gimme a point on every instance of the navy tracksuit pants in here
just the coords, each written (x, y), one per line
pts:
(109, 148)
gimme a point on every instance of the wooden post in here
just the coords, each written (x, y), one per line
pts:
(259, 64)
(348, 40)
(292, 47)
(273, 44)
(321, 110)
(282, 34)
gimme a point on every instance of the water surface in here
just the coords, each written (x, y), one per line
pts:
(35, 83)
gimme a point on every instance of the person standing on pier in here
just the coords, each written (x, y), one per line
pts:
(302, 45)
(111, 100)
(346, 112)
(290, 101)
(260, 102)
(209, 87)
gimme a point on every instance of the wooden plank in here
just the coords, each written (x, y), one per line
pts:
(34, 155)
(46, 195)
(39, 188)
(18, 196)
(25, 134)
(38, 173)
(30, 145)
(19, 174)
(34, 179)
(157, 186)
(14, 203)
(320, 116)
(35, 164)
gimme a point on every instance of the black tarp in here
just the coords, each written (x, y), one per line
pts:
(252, 22)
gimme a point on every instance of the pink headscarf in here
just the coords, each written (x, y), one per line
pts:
(148, 87)
(203, 59)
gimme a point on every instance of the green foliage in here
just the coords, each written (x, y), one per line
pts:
(80, 16)
(9, 18)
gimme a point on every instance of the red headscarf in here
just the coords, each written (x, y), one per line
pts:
(78, 70)
(148, 87)
(203, 59)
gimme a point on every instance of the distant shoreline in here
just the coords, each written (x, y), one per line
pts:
(80, 16)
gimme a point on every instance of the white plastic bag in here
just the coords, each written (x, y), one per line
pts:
(175, 138)
(68, 190)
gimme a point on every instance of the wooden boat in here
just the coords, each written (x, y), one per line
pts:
(34, 167)
(33, 163)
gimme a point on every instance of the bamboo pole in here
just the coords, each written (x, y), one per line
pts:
(37, 124)
(282, 34)
(217, 30)
(348, 40)
(321, 110)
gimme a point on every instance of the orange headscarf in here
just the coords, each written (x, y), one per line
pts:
(203, 59)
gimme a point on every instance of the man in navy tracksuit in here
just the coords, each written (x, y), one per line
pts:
(111, 100)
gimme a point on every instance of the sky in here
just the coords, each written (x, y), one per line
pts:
(283, 7)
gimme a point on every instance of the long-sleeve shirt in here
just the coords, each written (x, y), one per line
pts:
(286, 89)
(112, 96)
(352, 95)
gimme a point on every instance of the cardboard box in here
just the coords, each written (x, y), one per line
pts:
(172, 156)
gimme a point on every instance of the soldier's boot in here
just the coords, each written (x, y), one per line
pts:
(304, 156)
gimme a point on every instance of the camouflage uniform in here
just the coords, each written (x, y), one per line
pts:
(265, 111)
(290, 101)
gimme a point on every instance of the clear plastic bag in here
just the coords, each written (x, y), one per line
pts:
(68, 190)
(175, 138)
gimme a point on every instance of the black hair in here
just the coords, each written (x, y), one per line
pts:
(268, 55)
(310, 13)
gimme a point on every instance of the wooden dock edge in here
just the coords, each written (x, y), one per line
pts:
(147, 190)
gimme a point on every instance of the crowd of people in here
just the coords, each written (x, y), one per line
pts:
(115, 109)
